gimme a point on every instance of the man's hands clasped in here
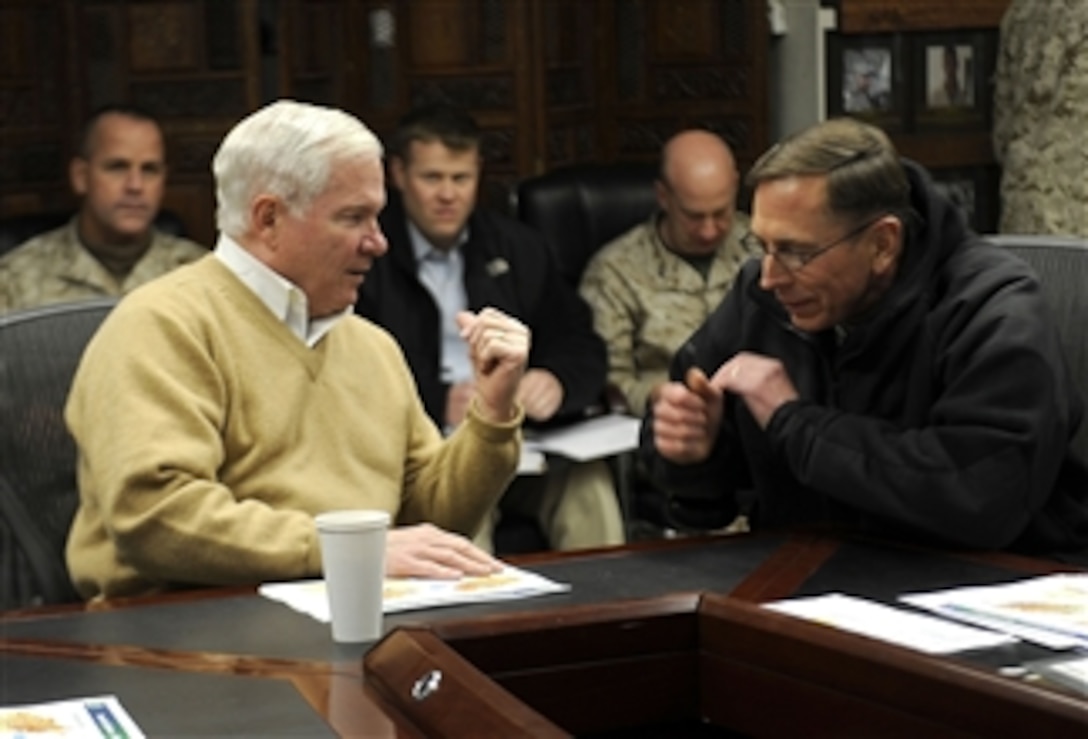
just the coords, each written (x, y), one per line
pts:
(688, 415)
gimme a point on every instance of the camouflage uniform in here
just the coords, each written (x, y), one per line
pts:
(55, 267)
(647, 301)
(1040, 112)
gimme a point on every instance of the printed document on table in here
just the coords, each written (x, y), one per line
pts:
(84, 718)
(593, 438)
(1051, 610)
(407, 594)
(878, 621)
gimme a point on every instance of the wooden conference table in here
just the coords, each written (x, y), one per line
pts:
(653, 639)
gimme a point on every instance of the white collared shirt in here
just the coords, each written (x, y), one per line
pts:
(443, 274)
(285, 299)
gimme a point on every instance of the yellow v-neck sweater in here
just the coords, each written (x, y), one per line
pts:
(209, 436)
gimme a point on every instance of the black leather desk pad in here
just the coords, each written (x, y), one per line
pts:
(168, 703)
(255, 626)
(882, 573)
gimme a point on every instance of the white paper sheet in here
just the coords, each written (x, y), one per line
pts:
(593, 438)
(82, 718)
(407, 594)
(532, 460)
(1051, 610)
(878, 621)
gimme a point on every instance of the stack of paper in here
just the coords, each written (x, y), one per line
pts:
(1050, 610)
(593, 438)
(406, 594)
(878, 621)
(101, 716)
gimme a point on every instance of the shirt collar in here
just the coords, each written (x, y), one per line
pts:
(423, 248)
(286, 300)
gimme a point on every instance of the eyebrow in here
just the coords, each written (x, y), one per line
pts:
(791, 244)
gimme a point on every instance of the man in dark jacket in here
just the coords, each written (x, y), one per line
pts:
(447, 255)
(881, 369)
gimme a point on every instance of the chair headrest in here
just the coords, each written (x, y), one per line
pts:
(582, 207)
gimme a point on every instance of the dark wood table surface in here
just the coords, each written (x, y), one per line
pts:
(230, 662)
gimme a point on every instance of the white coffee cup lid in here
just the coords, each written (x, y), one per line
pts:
(354, 520)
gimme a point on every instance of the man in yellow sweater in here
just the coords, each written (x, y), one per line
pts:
(222, 406)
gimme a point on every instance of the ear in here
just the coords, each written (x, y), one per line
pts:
(264, 215)
(398, 172)
(661, 192)
(78, 175)
(888, 244)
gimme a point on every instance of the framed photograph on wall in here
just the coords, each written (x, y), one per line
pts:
(973, 190)
(865, 79)
(951, 74)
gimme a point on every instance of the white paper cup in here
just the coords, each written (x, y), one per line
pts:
(353, 557)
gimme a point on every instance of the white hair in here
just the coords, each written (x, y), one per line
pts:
(285, 149)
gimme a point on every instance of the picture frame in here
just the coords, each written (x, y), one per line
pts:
(951, 71)
(974, 191)
(865, 79)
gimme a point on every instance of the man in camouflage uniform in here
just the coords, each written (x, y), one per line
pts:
(110, 246)
(653, 286)
(1040, 112)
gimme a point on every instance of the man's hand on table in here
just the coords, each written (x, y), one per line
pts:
(429, 552)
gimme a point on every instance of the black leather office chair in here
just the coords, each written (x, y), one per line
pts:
(14, 230)
(40, 349)
(1062, 265)
(581, 207)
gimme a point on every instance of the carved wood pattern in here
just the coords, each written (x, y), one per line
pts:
(566, 87)
(193, 63)
(477, 93)
(682, 30)
(34, 120)
(439, 34)
(877, 16)
(701, 84)
(551, 81)
(208, 98)
(161, 37)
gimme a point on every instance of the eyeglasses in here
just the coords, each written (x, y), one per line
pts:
(796, 260)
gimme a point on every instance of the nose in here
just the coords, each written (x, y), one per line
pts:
(134, 179)
(772, 274)
(710, 229)
(374, 242)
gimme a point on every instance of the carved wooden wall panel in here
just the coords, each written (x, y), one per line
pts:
(551, 81)
(473, 53)
(193, 63)
(315, 63)
(682, 63)
(876, 16)
(565, 84)
(35, 127)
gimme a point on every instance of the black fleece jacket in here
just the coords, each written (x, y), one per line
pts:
(507, 266)
(946, 416)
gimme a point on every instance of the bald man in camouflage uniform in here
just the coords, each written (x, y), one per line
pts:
(110, 246)
(653, 286)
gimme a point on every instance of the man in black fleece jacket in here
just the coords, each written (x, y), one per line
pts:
(881, 369)
(446, 255)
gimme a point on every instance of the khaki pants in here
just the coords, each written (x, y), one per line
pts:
(575, 504)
